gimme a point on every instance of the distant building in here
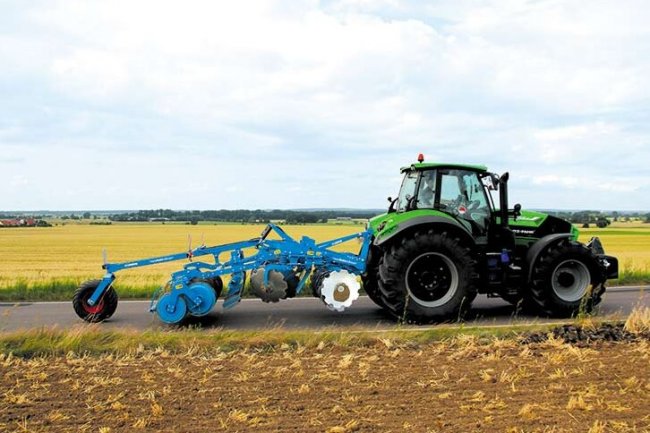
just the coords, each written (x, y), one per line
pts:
(16, 222)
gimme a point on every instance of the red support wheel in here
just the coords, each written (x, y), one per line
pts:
(99, 312)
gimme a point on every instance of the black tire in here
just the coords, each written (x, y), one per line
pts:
(315, 281)
(427, 277)
(103, 310)
(216, 283)
(566, 280)
(371, 276)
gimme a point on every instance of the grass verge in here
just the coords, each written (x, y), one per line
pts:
(93, 340)
(96, 340)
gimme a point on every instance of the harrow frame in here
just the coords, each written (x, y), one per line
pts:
(285, 254)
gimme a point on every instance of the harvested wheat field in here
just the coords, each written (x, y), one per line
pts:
(459, 385)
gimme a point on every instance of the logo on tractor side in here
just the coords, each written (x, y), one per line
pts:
(518, 231)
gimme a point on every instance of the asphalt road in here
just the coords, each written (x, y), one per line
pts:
(297, 313)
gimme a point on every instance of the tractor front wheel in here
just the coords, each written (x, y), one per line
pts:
(102, 310)
(566, 280)
(426, 277)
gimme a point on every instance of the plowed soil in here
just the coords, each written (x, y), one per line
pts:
(461, 386)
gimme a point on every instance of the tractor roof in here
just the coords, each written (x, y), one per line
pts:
(429, 165)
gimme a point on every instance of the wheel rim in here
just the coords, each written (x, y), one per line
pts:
(571, 280)
(431, 279)
(202, 299)
(171, 308)
(92, 309)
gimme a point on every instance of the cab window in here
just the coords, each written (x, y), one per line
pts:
(450, 190)
(462, 194)
(427, 191)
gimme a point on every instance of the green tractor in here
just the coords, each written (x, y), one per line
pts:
(444, 240)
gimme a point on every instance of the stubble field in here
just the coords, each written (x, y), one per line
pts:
(463, 384)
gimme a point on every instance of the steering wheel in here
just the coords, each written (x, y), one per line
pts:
(455, 205)
(473, 205)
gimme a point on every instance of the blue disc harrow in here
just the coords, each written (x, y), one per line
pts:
(280, 267)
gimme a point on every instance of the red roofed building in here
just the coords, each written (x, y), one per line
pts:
(22, 222)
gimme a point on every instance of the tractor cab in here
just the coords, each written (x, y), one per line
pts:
(460, 192)
(457, 195)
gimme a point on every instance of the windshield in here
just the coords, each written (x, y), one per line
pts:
(407, 190)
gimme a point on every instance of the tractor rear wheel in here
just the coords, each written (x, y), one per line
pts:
(102, 310)
(566, 280)
(371, 276)
(427, 276)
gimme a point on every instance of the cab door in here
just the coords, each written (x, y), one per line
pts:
(461, 194)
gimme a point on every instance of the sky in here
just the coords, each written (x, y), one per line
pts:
(317, 104)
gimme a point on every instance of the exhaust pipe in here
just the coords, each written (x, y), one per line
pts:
(503, 198)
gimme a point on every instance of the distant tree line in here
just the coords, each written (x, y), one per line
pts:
(598, 218)
(240, 215)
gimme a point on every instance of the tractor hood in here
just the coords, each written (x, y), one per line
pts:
(532, 224)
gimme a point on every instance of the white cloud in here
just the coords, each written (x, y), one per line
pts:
(590, 183)
(91, 74)
(205, 104)
(576, 142)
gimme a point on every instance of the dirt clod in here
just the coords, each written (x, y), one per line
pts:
(581, 336)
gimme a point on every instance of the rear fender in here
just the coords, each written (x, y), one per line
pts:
(413, 224)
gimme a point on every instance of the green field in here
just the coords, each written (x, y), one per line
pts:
(49, 263)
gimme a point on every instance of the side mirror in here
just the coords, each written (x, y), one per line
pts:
(391, 206)
(495, 182)
(516, 211)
